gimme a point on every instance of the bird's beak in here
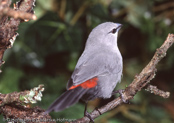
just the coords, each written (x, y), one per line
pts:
(119, 26)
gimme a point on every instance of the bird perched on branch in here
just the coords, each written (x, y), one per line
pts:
(98, 69)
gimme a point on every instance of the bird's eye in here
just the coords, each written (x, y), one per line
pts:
(114, 31)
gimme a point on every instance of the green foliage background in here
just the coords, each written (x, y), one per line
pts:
(46, 52)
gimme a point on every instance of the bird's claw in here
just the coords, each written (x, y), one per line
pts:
(98, 111)
(121, 94)
(89, 116)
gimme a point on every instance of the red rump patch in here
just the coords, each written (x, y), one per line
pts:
(87, 84)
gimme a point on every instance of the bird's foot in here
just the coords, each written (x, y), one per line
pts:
(121, 94)
(98, 111)
(89, 116)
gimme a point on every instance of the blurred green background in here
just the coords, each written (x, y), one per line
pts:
(46, 52)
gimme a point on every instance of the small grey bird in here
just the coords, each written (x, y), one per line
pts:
(98, 69)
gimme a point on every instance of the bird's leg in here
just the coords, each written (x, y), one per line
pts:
(121, 94)
(87, 114)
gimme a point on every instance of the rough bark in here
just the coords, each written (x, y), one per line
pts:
(8, 26)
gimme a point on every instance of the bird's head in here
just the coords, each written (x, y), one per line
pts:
(104, 34)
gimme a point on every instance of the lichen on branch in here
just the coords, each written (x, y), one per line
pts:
(22, 10)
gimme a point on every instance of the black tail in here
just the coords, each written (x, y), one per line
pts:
(67, 99)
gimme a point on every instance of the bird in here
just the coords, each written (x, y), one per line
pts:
(98, 70)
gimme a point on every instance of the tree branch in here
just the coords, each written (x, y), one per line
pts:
(13, 106)
(31, 96)
(156, 91)
(8, 27)
(16, 14)
(140, 81)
